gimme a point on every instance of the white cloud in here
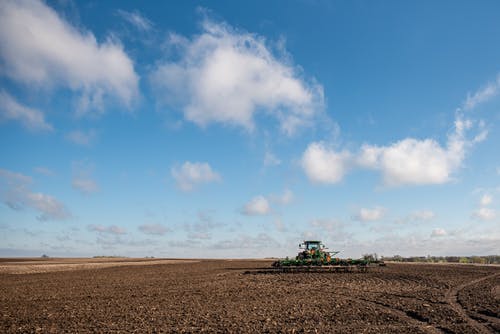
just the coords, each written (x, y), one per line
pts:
(261, 205)
(423, 215)
(30, 118)
(16, 194)
(42, 49)
(13, 179)
(367, 214)
(485, 214)
(262, 240)
(417, 216)
(83, 138)
(407, 162)
(82, 177)
(199, 236)
(202, 228)
(227, 76)
(257, 206)
(442, 243)
(482, 95)
(418, 162)
(283, 199)
(50, 208)
(136, 19)
(44, 171)
(111, 229)
(438, 232)
(154, 229)
(84, 185)
(271, 160)
(327, 224)
(191, 174)
(486, 200)
(324, 165)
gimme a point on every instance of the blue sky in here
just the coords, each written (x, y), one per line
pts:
(232, 129)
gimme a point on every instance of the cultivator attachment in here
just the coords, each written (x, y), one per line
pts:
(314, 257)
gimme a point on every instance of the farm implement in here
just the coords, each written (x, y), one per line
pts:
(314, 257)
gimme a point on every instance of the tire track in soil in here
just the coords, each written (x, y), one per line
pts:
(451, 298)
(411, 319)
(486, 318)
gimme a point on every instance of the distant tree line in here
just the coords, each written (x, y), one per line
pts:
(487, 259)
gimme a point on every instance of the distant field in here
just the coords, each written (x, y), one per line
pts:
(41, 265)
(158, 295)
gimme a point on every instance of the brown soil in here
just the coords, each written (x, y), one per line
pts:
(31, 266)
(217, 296)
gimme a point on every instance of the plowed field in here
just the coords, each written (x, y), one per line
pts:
(218, 296)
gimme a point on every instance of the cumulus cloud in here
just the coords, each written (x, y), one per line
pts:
(438, 232)
(485, 212)
(81, 137)
(154, 229)
(406, 162)
(192, 174)
(261, 205)
(323, 164)
(417, 162)
(370, 214)
(136, 19)
(42, 49)
(228, 76)
(111, 229)
(11, 109)
(16, 194)
(257, 206)
(409, 161)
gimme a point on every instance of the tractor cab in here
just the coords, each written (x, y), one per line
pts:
(312, 244)
(311, 249)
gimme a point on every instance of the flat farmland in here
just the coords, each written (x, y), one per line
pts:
(224, 296)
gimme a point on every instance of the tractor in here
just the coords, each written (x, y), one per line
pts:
(313, 256)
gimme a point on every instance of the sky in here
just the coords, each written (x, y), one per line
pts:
(232, 129)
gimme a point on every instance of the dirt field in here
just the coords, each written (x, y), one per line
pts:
(40, 265)
(216, 296)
